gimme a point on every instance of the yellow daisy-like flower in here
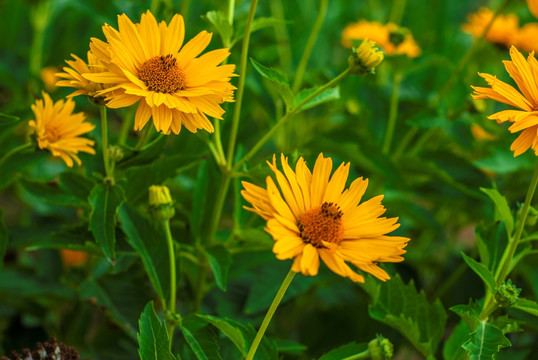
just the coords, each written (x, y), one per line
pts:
(312, 217)
(527, 37)
(504, 29)
(533, 7)
(57, 129)
(147, 64)
(393, 39)
(73, 76)
(525, 74)
(365, 58)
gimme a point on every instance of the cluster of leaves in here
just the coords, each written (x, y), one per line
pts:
(112, 306)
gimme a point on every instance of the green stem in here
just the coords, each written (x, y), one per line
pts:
(126, 125)
(104, 139)
(241, 85)
(504, 265)
(219, 205)
(172, 259)
(155, 6)
(281, 33)
(270, 313)
(15, 150)
(143, 138)
(289, 114)
(231, 9)
(393, 112)
(363, 355)
(219, 151)
(397, 11)
(299, 73)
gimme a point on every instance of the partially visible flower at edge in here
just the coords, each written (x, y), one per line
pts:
(525, 74)
(57, 129)
(533, 7)
(312, 217)
(391, 38)
(73, 77)
(147, 64)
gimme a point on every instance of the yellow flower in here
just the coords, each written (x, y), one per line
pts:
(527, 37)
(365, 58)
(73, 76)
(504, 29)
(159, 195)
(57, 129)
(393, 39)
(533, 7)
(525, 74)
(171, 85)
(48, 76)
(479, 133)
(315, 218)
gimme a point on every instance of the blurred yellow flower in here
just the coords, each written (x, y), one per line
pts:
(393, 39)
(57, 129)
(312, 217)
(525, 74)
(48, 76)
(479, 133)
(73, 76)
(503, 30)
(533, 7)
(147, 65)
(72, 258)
(527, 37)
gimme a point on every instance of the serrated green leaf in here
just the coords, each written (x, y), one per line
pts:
(469, 313)
(453, 346)
(148, 243)
(153, 339)
(528, 306)
(403, 308)
(201, 338)
(482, 271)
(278, 79)
(325, 96)
(501, 205)
(220, 261)
(230, 328)
(506, 324)
(105, 201)
(3, 239)
(219, 20)
(75, 184)
(485, 342)
(345, 351)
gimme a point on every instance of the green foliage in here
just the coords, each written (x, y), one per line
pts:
(153, 338)
(323, 97)
(485, 342)
(201, 338)
(453, 349)
(482, 271)
(3, 238)
(105, 201)
(220, 261)
(345, 351)
(278, 79)
(526, 305)
(222, 25)
(501, 205)
(403, 308)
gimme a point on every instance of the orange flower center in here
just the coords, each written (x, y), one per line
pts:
(162, 74)
(322, 223)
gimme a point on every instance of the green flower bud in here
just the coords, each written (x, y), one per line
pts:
(365, 58)
(115, 153)
(507, 294)
(160, 202)
(380, 348)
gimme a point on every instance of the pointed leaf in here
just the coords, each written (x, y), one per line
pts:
(76, 185)
(105, 201)
(485, 342)
(501, 205)
(491, 241)
(408, 311)
(482, 271)
(453, 346)
(469, 313)
(222, 25)
(325, 96)
(153, 337)
(528, 306)
(278, 79)
(49, 192)
(220, 261)
(201, 338)
(345, 351)
(229, 328)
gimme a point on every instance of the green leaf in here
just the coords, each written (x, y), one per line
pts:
(145, 155)
(491, 241)
(105, 201)
(453, 346)
(219, 20)
(73, 237)
(278, 79)
(325, 96)
(502, 208)
(229, 328)
(148, 243)
(257, 24)
(507, 324)
(200, 200)
(3, 239)
(482, 271)
(528, 306)
(220, 261)
(345, 351)
(403, 308)
(153, 337)
(485, 342)
(469, 313)
(17, 162)
(75, 184)
(49, 192)
(7, 120)
(201, 338)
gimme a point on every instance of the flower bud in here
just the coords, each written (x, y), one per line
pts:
(507, 294)
(160, 202)
(380, 348)
(115, 153)
(365, 58)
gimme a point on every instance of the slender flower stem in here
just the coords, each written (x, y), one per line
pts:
(143, 138)
(299, 73)
(15, 150)
(218, 146)
(289, 114)
(363, 355)
(241, 85)
(219, 204)
(508, 255)
(270, 313)
(231, 10)
(282, 37)
(393, 112)
(172, 259)
(104, 138)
